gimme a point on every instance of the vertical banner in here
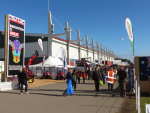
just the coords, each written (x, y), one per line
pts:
(40, 44)
(63, 54)
(16, 45)
(99, 59)
(129, 29)
(74, 63)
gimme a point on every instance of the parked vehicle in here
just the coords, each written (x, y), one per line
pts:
(47, 75)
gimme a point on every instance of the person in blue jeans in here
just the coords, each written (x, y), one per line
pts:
(104, 77)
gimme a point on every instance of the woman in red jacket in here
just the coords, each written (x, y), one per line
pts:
(84, 76)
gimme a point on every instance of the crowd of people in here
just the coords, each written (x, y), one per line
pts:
(110, 74)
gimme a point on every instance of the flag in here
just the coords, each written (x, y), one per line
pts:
(43, 60)
(144, 65)
(130, 32)
(74, 63)
(63, 54)
(99, 59)
(40, 43)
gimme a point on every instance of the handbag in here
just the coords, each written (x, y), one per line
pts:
(101, 83)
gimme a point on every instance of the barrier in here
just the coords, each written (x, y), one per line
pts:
(147, 108)
(4, 86)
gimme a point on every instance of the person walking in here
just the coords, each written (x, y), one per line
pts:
(23, 80)
(110, 79)
(19, 84)
(75, 76)
(88, 72)
(122, 81)
(103, 76)
(69, 90)
(83, 76)
(97, 77)
(79, 75)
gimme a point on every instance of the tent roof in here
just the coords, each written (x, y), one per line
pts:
(49, 62)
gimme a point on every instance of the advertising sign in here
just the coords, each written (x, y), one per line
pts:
(16, 45)
(130, 32)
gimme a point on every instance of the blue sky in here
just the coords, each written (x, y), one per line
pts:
(103, 20)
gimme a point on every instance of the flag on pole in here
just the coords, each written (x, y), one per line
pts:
(74, 63)
(99, 59)
(130, 32)
(63, 54)
(40, 43)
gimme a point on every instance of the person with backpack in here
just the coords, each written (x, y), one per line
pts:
(75, 76)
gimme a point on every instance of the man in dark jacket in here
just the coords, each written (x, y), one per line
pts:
(97, 77)
(122, 81)
(75, 76)
(88, 72)
(23, 80)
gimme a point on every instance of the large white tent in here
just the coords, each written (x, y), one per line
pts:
(49, 62)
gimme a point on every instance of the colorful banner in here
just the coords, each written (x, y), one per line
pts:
(40, 44)
(130, 32)
(16, 45)
(74, 63)
(63, 54)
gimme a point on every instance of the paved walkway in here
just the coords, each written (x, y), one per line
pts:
(49, 99)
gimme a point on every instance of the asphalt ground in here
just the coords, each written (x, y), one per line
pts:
(49, 99)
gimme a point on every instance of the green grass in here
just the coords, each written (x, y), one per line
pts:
(144, 100)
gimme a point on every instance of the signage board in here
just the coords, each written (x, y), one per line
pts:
(16, 45)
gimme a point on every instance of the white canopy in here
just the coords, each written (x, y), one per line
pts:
(49, 62)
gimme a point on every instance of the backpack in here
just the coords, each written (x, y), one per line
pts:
(74, 77)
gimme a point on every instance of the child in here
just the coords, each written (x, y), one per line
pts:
(84, 76)
(104, 77)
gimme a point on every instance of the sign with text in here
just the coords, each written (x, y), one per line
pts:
(16, 45)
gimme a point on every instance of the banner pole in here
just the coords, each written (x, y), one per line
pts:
(6, 49)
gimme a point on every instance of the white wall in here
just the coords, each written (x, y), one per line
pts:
(74, 52)
(56, 52)
(83, 53)
(91, 54)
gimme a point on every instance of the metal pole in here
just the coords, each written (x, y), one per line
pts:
(6, 49)
(139, 110)
(136, 95)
